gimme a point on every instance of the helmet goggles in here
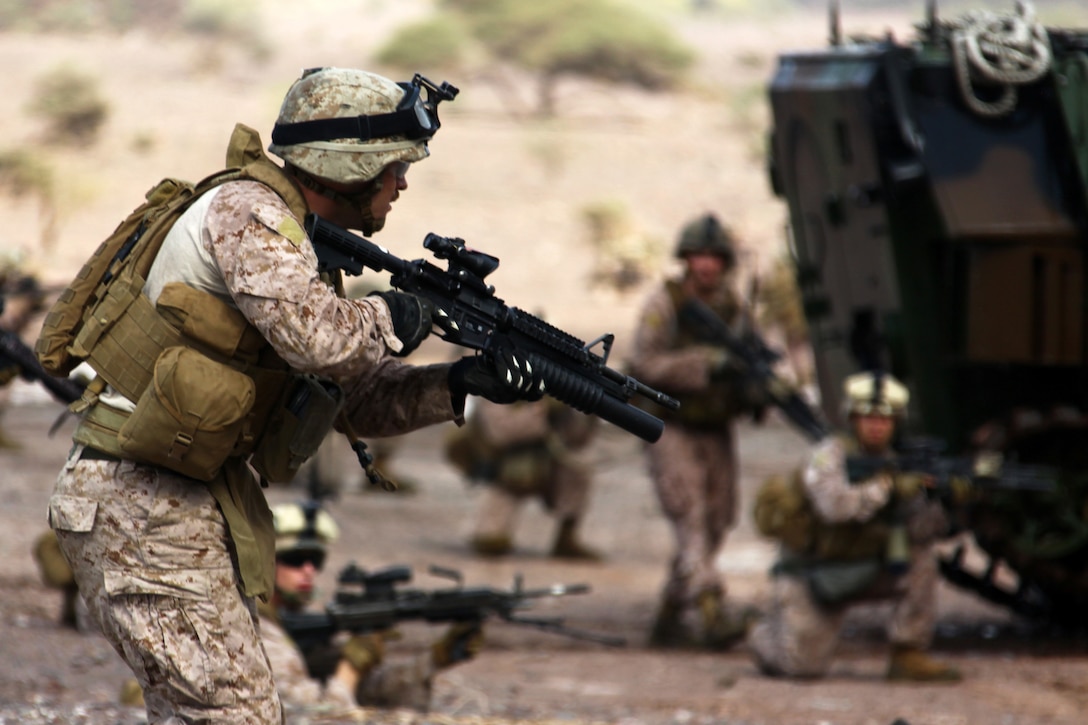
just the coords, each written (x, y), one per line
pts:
(416, 118)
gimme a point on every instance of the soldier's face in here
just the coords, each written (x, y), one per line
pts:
(705, 270)
(394, 181)
(295, 584)
(874, 432)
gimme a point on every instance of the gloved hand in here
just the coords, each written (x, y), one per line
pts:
(719, 362)
(411, 317)
(908, 485)
(364, 652)
(461, 643)
(500, 378)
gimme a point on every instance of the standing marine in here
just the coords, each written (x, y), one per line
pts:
(846, 542)
(221, 350)
(694, 463)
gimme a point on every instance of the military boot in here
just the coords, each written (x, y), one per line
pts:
(567, 545)
(669, 630)
(721, 630)
(69, 616)
(911, 664)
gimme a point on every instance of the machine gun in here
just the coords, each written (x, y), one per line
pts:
(755, 359)
(477, 319)
(368, 602)
(985, 470)
(13, 351)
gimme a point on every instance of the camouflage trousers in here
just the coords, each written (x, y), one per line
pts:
(150, 553)
(565, 496)
(695, 478)
(796, 636)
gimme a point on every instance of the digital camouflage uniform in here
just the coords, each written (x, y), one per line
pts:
(532, 453)
(694, 463)
(170, 584)
(797, 634)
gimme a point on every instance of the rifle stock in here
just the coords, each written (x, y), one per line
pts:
(479, 320)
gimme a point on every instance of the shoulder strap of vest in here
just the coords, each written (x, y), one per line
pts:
(246, 153)
(245, 160)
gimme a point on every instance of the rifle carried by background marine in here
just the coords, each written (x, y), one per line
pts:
(13, 351)
(755, 360)
(370, 602)
(985, 470)
(477, 319)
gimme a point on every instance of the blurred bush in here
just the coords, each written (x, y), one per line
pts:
(599, 39)
(23, 172)
(71, 104)
(624, 257)
(80, 16)
(435, 43)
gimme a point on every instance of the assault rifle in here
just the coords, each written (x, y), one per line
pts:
(755, 359)
(368, 602)
(477, 319)
(924, 455)
(13, 351)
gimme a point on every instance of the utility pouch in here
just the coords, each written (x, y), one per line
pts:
(299, 424)
(833, 583)
(190, 416)
(524, 471)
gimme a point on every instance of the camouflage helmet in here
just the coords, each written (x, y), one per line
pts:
(361, 142)
(707, 235)
(875, 393)
(303, 527)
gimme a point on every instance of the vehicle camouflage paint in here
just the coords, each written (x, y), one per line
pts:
(939, 220)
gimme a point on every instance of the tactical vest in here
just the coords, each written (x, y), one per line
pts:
(206, 384)
(715, 406)
(782, 511)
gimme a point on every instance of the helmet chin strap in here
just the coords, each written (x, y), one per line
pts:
(360, 202)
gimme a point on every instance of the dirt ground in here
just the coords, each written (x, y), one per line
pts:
(1015, 675)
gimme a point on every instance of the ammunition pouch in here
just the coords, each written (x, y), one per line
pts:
(524, 470)
(781, 511)
(299, 423)
(832, 583)
(190, 416)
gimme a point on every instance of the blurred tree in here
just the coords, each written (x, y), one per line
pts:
(599, 39)
(780, 308)
(24, 172)
(624, 256)
(70, 102)
(436, 42)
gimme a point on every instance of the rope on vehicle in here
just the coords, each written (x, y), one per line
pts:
(1002, 49)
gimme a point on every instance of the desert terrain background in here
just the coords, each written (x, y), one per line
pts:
(516, 186)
